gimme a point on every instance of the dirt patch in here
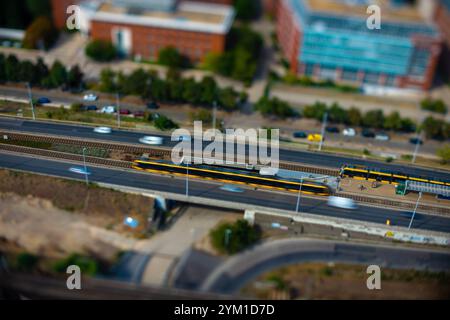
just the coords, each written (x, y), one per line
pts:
(99, 206)
(343, 281)
(36, 226)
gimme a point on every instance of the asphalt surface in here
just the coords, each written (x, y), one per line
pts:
(304, 157)
(232, 275)
(211, 190)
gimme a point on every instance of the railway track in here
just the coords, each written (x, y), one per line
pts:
(157, 152)
(127, 165)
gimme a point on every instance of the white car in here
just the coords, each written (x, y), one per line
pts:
(108, 109)
(103, 130)
(349, 132)
(382, 137)
(342, 203)
(151, 140)
(90, 97)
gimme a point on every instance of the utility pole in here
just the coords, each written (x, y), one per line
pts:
(415, 209)
(227, 237)
(85, 168)
(297, 207)
(187, 175)
(31, 100)
(214, 114)
(416, 149)
(324, 124)
(118, 109)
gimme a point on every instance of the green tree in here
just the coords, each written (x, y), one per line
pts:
(208, 90)
(436, 129)
(2, 68)
(354, 117)
(39, 8)
(12, 68)
(192, 91)
(227, 99)
(164, 123)
(26, 262)
(26, 72)
(75, 77)
(437, 106)
(41, 34)
(202, 115)
(315, 111)
(275, 107)
(101, 50)
(336, 114)
(41, 70)
(444, 154)
(232, 238)
(170, 57)
(88, 266)
(245, 9)
(58, 74)
(393, 121)
(108, 80)
(374, 119)
(408, 125)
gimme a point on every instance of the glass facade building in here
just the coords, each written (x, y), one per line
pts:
(338, 47)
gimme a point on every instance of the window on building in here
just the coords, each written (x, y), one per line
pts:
(309, 69)
(391, 81)
(371, 78)
(350, 74)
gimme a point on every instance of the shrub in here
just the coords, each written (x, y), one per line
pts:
(101, 50)
(437, 106)
(232, 238)
(171, 57)
(26, 261)
(444, 154)
(87, 265)
(164, 123)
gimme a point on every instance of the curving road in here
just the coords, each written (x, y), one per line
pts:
(211, 190)
(305, 157)
(232, 275)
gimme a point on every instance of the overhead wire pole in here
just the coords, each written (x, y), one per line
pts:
(297, 207)
(416, 149)
(31, 100)
(85, 168)
(415, 209)
(324, 124)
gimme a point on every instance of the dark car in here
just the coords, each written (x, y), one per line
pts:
(300, 134)
(90, 108)
(139, 114)
(152, 105)
(368, 133)
(332, 129)
(415, 141)
(43, 100)
(125, 111)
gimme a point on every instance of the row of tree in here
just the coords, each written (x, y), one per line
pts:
(173, 89)
(39, 74)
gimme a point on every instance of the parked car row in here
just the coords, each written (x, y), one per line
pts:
(347, 132)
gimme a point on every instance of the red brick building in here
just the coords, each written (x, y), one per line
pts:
(59, 11)
(443, 22)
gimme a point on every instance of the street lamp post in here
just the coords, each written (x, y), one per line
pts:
(415, 209)
(31, 100)
(85, 168)
(324, 124)
(187, 176)
(227, 237)
(297, 207)
(118, 109)
(214, 114)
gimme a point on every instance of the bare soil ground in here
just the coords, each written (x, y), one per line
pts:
(343, 281)
(100, 207)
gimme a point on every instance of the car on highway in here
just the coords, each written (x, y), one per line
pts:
(79, 170)
(125, 111)
(315, 137)
(90, 108)
(349, 132)
(300, 135)
(332, 129)
(152, 140)
(381, 136)
(342, 203)
(43, 100)
(152, 105)
(368, 133)
(90, 97)
(231, 188)
(104, 130)
(184, 138)
(108, 109)
(139, 114)
(416, 141)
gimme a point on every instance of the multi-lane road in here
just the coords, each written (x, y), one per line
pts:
(212, 191)
(304, 157)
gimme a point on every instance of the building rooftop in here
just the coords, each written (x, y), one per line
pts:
(341, 16)
(186, 15)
